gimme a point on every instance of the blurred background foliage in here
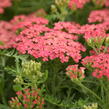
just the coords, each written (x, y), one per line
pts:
(25, 7)
(28, 6)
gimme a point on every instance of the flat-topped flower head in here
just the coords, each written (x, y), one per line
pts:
(45, 43)
(93, 31)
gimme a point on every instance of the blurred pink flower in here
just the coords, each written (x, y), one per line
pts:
(77, 3)
(99, 16)
(7, 35)
(4, 4)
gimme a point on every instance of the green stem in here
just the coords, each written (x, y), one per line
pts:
(105, 49)
(102, 89)
(107, 94)
(88, 90)
(4, 100)
(3, 61)
(95, 50)
(17, 65)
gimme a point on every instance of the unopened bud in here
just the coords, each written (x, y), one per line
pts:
(107, 40)
(53, 8)
(92, 106)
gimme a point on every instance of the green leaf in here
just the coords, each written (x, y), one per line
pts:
(4, 107)
(1, 43)
(17, 87)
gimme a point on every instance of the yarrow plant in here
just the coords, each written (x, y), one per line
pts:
(51, 61)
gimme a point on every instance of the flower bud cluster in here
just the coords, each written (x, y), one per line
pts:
(92, 106)
(31, 72)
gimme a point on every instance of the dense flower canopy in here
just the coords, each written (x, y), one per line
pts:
(43, 42)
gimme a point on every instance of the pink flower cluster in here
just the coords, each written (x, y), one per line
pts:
(8, 29)
(43, 42)
(74, 72)
(28, 99)
(6, 35)
(99, 16)
(40, 41)
(88, 31)
(60, 41)
(100, 63)
(4, 4)
(69, 27)
(95, 31)
(77, 3)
